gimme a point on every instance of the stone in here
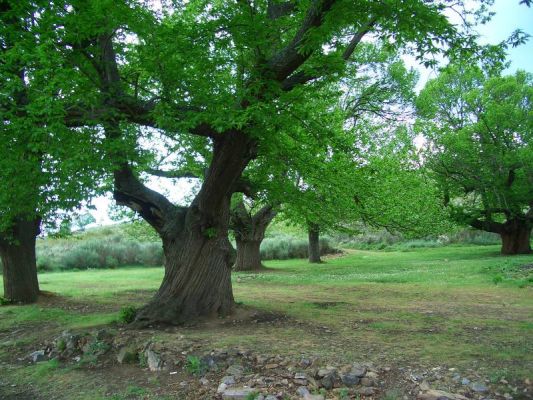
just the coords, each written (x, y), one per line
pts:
(238, 393)
(37, 356)
(235, 370)
(465, 381)
(328, 382)
(310, 396)
(305, 363)
(271, 366)
(349, 379)
(479, 387)
(204, 381)
(366, 391)
(302, 391)
(300, 378)
(367, 382)
(228, 380)
(127, 355)
(271, 397)
(374, 375)
(153, 360)
(358, 370)
(439, 395)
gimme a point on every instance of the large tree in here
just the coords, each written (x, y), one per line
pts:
(43, 166)
(479, 129)
(225, 75)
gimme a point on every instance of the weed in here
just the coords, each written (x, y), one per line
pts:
(127, 314)
(497, 279)
(343, 393)
(252, 396)
(143, 361)
(194, 365)
(4, 301)
(61, 345)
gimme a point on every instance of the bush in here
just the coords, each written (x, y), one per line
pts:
(284, 247)
(127, 314)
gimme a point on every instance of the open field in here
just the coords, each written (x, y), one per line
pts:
(465, 308)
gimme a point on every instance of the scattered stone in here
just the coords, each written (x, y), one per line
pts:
(349, 379)
(424, 386)
(153, 360)
(37, 356)
(127, 355)
(359, 370)
(235, 370)
(313, 397)
(328, 382)
(465, 381)
(302, 391)
(479, 387)
(300, 378)
(366, 382)
(366, 391)
(237, 393)
(204, 381)
(439, 395)
(271, 397)
(228, 380)
(271, 366)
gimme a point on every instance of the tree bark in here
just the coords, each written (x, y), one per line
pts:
(516, 241)
(198, 254)
(314, 243)
(249, 233)
(17, 250)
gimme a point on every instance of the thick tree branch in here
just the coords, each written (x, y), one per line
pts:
(300, 77)
(288, 59)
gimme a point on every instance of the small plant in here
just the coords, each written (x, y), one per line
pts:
(210, 233)
(343, 393)
(127, 314)
(193, 365)
(252, 396)
(61, 345)
(143, 361)
(497, 279)
(4, 301)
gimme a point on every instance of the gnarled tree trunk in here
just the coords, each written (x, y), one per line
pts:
(17, 250)
(198, 254)
(314, 243)
(516, 238)
(249, 233)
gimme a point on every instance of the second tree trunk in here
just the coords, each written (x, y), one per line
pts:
(17, 250)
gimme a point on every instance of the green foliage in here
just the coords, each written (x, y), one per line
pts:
(127, 314)
(283, 247)
(480, 136)
(103, 248)
(194, 365)
(4, 301)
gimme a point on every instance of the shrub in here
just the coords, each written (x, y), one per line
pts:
(283, 247)
(80, 258)
(127, 314)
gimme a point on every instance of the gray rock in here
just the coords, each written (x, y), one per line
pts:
(237, 393)
(127, 355)
(271, 397)
(228, 380)
(479, 387)
(302, 391)
(300, 378)
(313, 397)
(328, 382)
(439, 395)
(367, 382)
(236, 370)
(465, 381)
(349, 379)
(153, 360)
(204, 381)
(366, 391)
(37, 356)
(358, 370)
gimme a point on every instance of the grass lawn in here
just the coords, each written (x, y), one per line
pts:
(463, 307)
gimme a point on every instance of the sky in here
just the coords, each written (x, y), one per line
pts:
(510, 15)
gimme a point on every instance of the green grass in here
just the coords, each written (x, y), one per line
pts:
(436, 306)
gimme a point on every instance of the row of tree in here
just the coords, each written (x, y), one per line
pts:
(294, 107)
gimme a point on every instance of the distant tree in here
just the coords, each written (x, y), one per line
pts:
(44, 165)
(479, 130)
